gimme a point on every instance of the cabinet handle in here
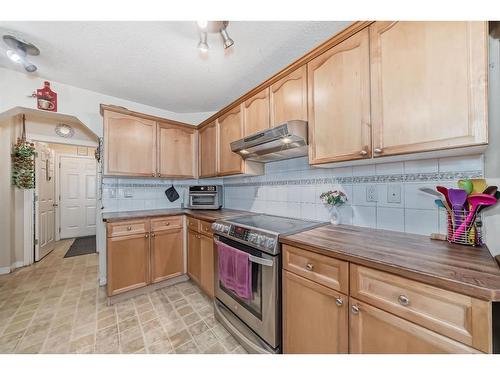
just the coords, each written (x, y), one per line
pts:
(153, 174)
(363, 152)
(153, 235)
(309, 266)
(146, 235)
(403, 300)
(167, 223)
(339, 302)
(129, 228)
(159, 174)
(377, 150)
(355, 309)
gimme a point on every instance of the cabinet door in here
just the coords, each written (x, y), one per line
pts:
(166, 254)
(176, 151)
(288, 97)
(127, 263)
(230, 130)
(373, 331)
(314, 317)
(339, 102)
(129, 145)
(208, 150)
(256, 113)
(194, 256)
(207, 265)
(428, 85)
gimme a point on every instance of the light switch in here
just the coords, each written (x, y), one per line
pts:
(394, 193)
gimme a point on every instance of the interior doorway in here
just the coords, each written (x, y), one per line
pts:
(65, 202)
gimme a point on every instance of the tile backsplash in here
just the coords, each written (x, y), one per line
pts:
(292, 188)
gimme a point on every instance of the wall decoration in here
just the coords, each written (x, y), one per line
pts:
(82, 151)
(46, 99)
(23, 163)
(64, 130)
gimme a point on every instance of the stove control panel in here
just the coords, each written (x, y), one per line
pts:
(260, 240)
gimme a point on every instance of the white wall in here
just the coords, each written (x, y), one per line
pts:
(84, 104)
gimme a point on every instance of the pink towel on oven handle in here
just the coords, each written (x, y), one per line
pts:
(235, 270)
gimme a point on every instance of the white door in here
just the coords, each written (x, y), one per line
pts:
(78, 196)
(44, 165)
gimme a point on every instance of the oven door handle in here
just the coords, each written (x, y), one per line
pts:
(261, 261)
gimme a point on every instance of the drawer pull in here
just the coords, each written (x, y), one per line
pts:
(129, 228)
(167, 223)
(339, 302)
(355, 309)
(309, 266)
(153, 235)
(146, 235)
(403, 300)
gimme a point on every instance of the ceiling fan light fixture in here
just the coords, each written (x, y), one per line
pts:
(203, 45)
(228, 42)
(18, 49)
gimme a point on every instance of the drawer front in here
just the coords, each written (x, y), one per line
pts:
(165, 223)
(460, 317)
(324, 270)
(193, 224)
(126, 228)
(206, 228)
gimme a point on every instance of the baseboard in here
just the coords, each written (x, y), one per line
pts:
(13, 266)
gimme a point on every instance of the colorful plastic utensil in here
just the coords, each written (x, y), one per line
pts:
(430, 191)
(457, 197)
(478, 185)
(466, 185)
(491, 190)
(444, 191)
(475, 202)
(439, 203)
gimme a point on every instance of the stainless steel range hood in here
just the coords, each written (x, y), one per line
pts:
(285, 141)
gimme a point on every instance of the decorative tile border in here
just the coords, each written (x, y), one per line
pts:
(410, 177)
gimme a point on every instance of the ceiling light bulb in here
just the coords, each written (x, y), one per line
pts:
(244, 152)
(14, 56)
(203, 45)
(228, 42)
(202, 24)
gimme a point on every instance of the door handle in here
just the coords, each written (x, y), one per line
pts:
(261, 261)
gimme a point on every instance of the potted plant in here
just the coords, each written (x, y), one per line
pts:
(334, 199)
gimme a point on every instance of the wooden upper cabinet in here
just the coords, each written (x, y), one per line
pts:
(177, 155)
(339, 102)
(288, 98)
(208, 150)
(256, 113)
(129, 145)
(374, 331)
(428, 84)
(315, 318)
(230, 130)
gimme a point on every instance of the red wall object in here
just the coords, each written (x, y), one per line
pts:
(46, 99)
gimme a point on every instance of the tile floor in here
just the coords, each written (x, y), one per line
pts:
(57, 306)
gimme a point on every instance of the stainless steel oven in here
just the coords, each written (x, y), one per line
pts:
(205, 197)
(261, 313)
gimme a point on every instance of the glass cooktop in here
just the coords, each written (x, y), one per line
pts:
(277, 224)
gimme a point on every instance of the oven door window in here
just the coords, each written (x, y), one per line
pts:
(202, 200)
(253, 305)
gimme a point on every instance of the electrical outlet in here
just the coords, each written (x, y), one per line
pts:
(394, 193)
(371, 193)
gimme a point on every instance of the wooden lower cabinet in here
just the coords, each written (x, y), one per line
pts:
(201, 260)
(128, 263)
(207, 264)
(194, 256)
(374, 331)
(139, 259)
(315, 317)
(167, 258)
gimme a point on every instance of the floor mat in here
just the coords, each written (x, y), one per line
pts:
(82, 246)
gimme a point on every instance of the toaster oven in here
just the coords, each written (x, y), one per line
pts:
(205, 197)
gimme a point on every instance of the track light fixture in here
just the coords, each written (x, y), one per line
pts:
(19, 49)
(213, 27)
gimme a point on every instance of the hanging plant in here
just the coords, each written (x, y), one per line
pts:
(23, 163)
